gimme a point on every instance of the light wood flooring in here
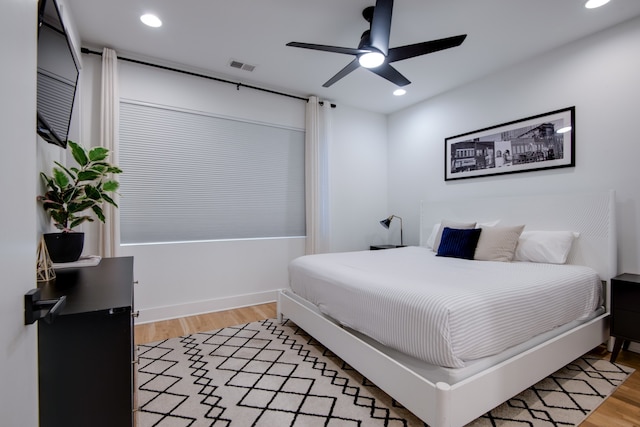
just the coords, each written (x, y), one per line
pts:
(622, 409)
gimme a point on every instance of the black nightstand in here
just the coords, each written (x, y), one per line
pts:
(625, 311)
(378, 247)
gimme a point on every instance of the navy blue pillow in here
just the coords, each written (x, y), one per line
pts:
(457, 243)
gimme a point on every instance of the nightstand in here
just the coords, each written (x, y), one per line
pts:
(378, 247)
(625, 311)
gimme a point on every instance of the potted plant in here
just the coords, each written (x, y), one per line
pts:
(73, 191)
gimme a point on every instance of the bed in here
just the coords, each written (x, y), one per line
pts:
(473, 372)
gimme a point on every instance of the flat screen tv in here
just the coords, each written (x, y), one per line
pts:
(57, 75)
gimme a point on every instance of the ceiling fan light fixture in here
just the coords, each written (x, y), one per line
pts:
(399, 92)
(592, 4)
(371, 59)
(373, 51)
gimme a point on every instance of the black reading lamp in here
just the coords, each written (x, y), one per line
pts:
(387, 221)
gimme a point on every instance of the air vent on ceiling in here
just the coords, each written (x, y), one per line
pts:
(241, 65)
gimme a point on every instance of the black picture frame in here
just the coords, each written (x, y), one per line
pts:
(529, 144)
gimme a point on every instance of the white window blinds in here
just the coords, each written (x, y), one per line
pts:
(190, 176)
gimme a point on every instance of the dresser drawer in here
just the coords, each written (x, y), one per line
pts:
(625, 324)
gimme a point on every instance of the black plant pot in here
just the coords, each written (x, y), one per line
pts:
(64, 247)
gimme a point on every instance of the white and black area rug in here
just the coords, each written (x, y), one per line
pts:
(265, 374)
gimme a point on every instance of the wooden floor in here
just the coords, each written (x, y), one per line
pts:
(622, 409)
(150, 332)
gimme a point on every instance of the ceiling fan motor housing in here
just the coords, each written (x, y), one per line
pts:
(365, 40)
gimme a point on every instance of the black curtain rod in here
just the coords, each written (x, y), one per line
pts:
(236, 84)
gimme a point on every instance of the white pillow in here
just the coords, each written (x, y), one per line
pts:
(432, 237)
(497, 243)
(488, 223)
(551, 247)
(451, 224)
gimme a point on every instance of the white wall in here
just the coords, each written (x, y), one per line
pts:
(358, 183)
(599, 75)
(189, 278)
(18, 363)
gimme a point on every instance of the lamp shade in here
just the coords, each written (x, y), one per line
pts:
(386, 222)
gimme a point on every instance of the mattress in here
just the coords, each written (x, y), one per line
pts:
(444, 311)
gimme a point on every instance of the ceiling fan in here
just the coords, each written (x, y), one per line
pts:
(373, 51)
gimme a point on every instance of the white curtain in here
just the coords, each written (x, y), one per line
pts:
(109, 122)
(318, 126)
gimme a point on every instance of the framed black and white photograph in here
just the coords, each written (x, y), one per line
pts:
(545, 141)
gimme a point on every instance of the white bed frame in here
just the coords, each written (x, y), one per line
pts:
(453, 405)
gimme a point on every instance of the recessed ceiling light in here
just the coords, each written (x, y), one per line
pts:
(592, 4)
(399, 92)
(564, 129)
(151, 20)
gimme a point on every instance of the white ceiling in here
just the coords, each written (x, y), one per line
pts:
(205, 35)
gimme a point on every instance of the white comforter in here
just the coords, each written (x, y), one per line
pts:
(444, 311)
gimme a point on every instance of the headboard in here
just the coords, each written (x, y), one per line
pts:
(590, 214)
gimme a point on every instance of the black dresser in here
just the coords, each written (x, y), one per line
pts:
(85, 356)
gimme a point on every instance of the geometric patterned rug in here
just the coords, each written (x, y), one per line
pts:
(265, 374)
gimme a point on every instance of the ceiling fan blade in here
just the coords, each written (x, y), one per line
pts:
(391, 74)
(381, 25)
(324, 48)
(346, 70)
(412, 50)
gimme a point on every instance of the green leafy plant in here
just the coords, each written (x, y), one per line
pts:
(72, 191)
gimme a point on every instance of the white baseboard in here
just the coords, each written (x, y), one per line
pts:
(200, 307)
(634, 346)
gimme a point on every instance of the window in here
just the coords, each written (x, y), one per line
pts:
(191, 176)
